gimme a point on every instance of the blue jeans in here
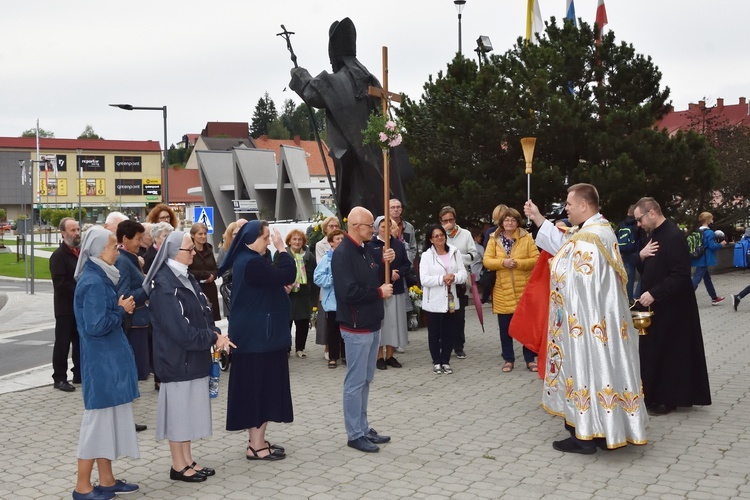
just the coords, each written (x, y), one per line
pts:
(701, 273)
(361, 356)
(506, 341)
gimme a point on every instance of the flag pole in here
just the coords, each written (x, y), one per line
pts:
(529, 17)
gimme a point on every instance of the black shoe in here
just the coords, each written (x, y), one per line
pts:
(363, 444)
(141, 428)
(206, 471)
(375, 438)
(180, 476)
(570, 446)
(460, 354)
(658, 410)
(65, 386)
(381, 364)
(273, 454)
(736, 301)
(392, 361)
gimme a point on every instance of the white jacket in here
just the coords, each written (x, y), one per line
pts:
(431, 272)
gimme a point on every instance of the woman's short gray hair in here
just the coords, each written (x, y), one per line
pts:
(160, 230)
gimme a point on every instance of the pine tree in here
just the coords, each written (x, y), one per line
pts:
(264, 114)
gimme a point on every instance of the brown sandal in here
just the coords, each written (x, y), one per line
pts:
(508, 367)
(532, 366)
(332, 364)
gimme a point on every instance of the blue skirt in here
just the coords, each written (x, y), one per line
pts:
(259, 390)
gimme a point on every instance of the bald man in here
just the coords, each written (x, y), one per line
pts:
(359, 292)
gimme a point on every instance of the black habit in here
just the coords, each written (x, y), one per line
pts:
(673, 362)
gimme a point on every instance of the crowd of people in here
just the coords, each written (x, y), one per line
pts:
(145, 300)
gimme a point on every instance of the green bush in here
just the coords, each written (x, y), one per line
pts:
(53, 216)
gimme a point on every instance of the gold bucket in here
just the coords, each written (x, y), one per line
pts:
(641, 319)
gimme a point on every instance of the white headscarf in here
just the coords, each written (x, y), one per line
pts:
(92, 246)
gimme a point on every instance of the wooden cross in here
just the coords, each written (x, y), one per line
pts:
(386, 97)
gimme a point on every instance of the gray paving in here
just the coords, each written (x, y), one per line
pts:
(478, 433)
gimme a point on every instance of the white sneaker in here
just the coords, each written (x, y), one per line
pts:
(436, 369)
(400, 350)
(447, 369)
(301, 354)
(325, 355)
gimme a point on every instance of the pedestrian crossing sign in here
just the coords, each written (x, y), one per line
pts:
(205, 215)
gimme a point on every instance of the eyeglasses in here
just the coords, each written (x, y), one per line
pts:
(371, 226)
(188, 249)
(437, 236)
(638, 219)
(452, 219)
(165, 218)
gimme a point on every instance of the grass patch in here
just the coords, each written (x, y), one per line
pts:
(9, 267)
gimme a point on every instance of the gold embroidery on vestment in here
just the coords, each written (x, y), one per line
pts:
(600, 331)
(608, 398)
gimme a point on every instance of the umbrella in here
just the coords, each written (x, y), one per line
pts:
(477, 300)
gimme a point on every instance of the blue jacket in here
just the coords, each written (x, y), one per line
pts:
(323, 277)
(131, 283)
(708, 258)
(357, 280)
(184, 329)
(107, 363)
(261, 309)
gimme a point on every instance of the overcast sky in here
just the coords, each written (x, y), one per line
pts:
(63, 62)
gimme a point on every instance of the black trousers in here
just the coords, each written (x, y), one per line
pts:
(300, 335)
(66, 334)
(336, 348)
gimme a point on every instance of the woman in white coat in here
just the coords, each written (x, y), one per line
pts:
(441, 268)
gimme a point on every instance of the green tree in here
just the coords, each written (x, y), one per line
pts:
(3, 214)
(42, 133)
(264, 114)
(591, 107)
(88, 133)
(277, 130)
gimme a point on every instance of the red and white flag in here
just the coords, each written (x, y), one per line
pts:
(601, 18)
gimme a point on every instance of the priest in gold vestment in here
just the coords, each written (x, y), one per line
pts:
(592, 377)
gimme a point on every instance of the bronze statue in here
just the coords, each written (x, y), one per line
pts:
(344, 96)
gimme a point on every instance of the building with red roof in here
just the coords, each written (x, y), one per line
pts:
(698, 117)
(102, 175)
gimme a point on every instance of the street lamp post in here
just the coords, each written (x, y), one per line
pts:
(483, 46)
(460, 8)
(163, 109)
(30, 265)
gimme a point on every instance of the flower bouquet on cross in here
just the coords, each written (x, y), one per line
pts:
(385, 133)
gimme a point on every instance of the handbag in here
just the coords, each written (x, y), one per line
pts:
(411, 278)
(487, 278)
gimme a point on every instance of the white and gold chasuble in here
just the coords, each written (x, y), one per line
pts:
(592, 377)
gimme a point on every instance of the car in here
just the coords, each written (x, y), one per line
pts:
(5, 226)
